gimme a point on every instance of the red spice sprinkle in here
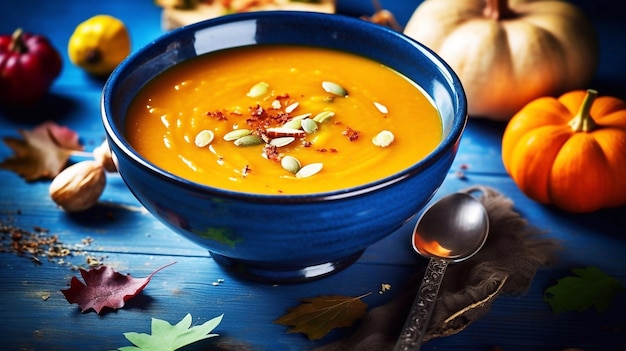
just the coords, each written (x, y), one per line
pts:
(257, 110)
(261, 119)
(332, 150)
(351, 134)
(219, 115)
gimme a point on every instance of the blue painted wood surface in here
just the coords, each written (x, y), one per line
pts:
(35, 315)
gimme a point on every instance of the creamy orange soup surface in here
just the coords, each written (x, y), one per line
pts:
(282, 120)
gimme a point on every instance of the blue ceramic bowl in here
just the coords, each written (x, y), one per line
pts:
(285, 238)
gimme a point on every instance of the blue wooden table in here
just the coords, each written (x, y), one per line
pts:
(118, 232)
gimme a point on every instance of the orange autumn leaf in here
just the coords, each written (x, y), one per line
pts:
(317, 316)
(42, 152)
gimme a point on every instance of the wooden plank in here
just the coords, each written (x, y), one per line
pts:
(187, 286)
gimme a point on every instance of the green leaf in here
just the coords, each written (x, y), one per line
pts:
(591, 287)
(167, 337)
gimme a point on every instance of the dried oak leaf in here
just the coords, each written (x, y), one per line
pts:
(104, 287)
(167, 337)
(42, 152)
(591, 287)
(317, 316)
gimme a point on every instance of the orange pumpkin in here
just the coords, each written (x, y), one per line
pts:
(570, 151)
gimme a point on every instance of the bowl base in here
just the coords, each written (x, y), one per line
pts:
(280, 273)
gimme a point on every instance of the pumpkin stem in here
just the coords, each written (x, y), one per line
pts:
(17, 42)
(498, 10)
(582, 121)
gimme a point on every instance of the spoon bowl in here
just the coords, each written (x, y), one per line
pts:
(451, 230)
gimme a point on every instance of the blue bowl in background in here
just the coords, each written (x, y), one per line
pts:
(285, 238)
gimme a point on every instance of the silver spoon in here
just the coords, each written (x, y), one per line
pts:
(453, 229)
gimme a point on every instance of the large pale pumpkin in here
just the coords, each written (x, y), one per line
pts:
(570, 151)
(508, 53)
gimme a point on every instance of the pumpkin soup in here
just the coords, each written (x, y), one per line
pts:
(282, 120)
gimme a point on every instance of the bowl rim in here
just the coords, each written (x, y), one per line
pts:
(448, 142)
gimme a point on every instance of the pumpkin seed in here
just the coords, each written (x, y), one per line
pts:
(323, 116)
(292, 107)
(309, 170)
(236, 134)
(334, 88)
(204, 138)
(290, 164)
(249, 140)
(258, 89)
(309, 126)
(383, 139)
(293, 124)
(296, 121)
(382, 108)
(301, 117)
(282, 141)
(276, 105)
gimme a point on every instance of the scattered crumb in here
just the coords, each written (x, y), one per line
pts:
(384, 288)
(39, 245)
(93, 261)
(217, 282)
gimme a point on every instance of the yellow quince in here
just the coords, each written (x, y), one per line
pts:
(99, 44)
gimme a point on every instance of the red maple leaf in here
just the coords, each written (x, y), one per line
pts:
(104, 287)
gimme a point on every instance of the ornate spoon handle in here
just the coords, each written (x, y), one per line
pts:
(416, 323)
